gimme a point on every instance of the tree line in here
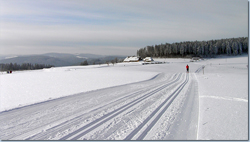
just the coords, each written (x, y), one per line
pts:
(211, 48)
(24, 66)
(98, 61)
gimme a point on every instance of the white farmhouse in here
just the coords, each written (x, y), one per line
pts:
(148, 59)
(132, 59)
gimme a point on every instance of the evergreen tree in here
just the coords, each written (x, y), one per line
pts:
(240, 48)
(85, 63)
(228, 48)
(235, 48)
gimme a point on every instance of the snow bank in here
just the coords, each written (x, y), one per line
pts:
(28, 87)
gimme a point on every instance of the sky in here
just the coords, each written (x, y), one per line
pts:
(115, 27)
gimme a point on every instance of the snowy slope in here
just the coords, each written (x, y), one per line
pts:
(28, 87)
(223, 91)
(128, 101)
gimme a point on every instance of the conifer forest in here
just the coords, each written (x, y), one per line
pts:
(211, 48)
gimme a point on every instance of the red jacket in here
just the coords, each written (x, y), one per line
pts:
(187, 66)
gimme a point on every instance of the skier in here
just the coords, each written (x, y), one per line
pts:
(187, 67)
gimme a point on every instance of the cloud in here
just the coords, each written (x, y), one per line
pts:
(110, 24)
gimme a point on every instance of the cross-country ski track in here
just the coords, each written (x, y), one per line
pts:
(137, 111)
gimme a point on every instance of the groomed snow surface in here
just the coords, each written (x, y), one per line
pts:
(128, 101)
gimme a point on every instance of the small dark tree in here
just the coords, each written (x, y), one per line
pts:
(113, 62)
(116, 60)
(85, 63)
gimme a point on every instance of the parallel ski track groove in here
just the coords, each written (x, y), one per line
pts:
(72, 121)
(135, 131)
(145, 132)
(96, 123)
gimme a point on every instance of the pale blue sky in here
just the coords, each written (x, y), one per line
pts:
(115, 27)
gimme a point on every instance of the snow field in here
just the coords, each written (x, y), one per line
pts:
(130, 124)
(112, 110)
(223, 91)
(97, 97)
(29, 87)
(118, 121)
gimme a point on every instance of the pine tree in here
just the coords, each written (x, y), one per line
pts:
(235, 48)
(85, 63)
(228, 48)
(181, 50)
(240, 48)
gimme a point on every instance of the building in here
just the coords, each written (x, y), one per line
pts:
(148, 59)
(132, 59)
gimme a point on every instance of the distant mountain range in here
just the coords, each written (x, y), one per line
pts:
(58, 59)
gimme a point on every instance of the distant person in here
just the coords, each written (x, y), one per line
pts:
(187, 67)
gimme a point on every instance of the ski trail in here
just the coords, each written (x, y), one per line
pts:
(157, 95)
(57, 125)
(114, 113)
(144, 133)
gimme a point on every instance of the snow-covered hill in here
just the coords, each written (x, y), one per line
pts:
(128, 101)
(57, 59)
